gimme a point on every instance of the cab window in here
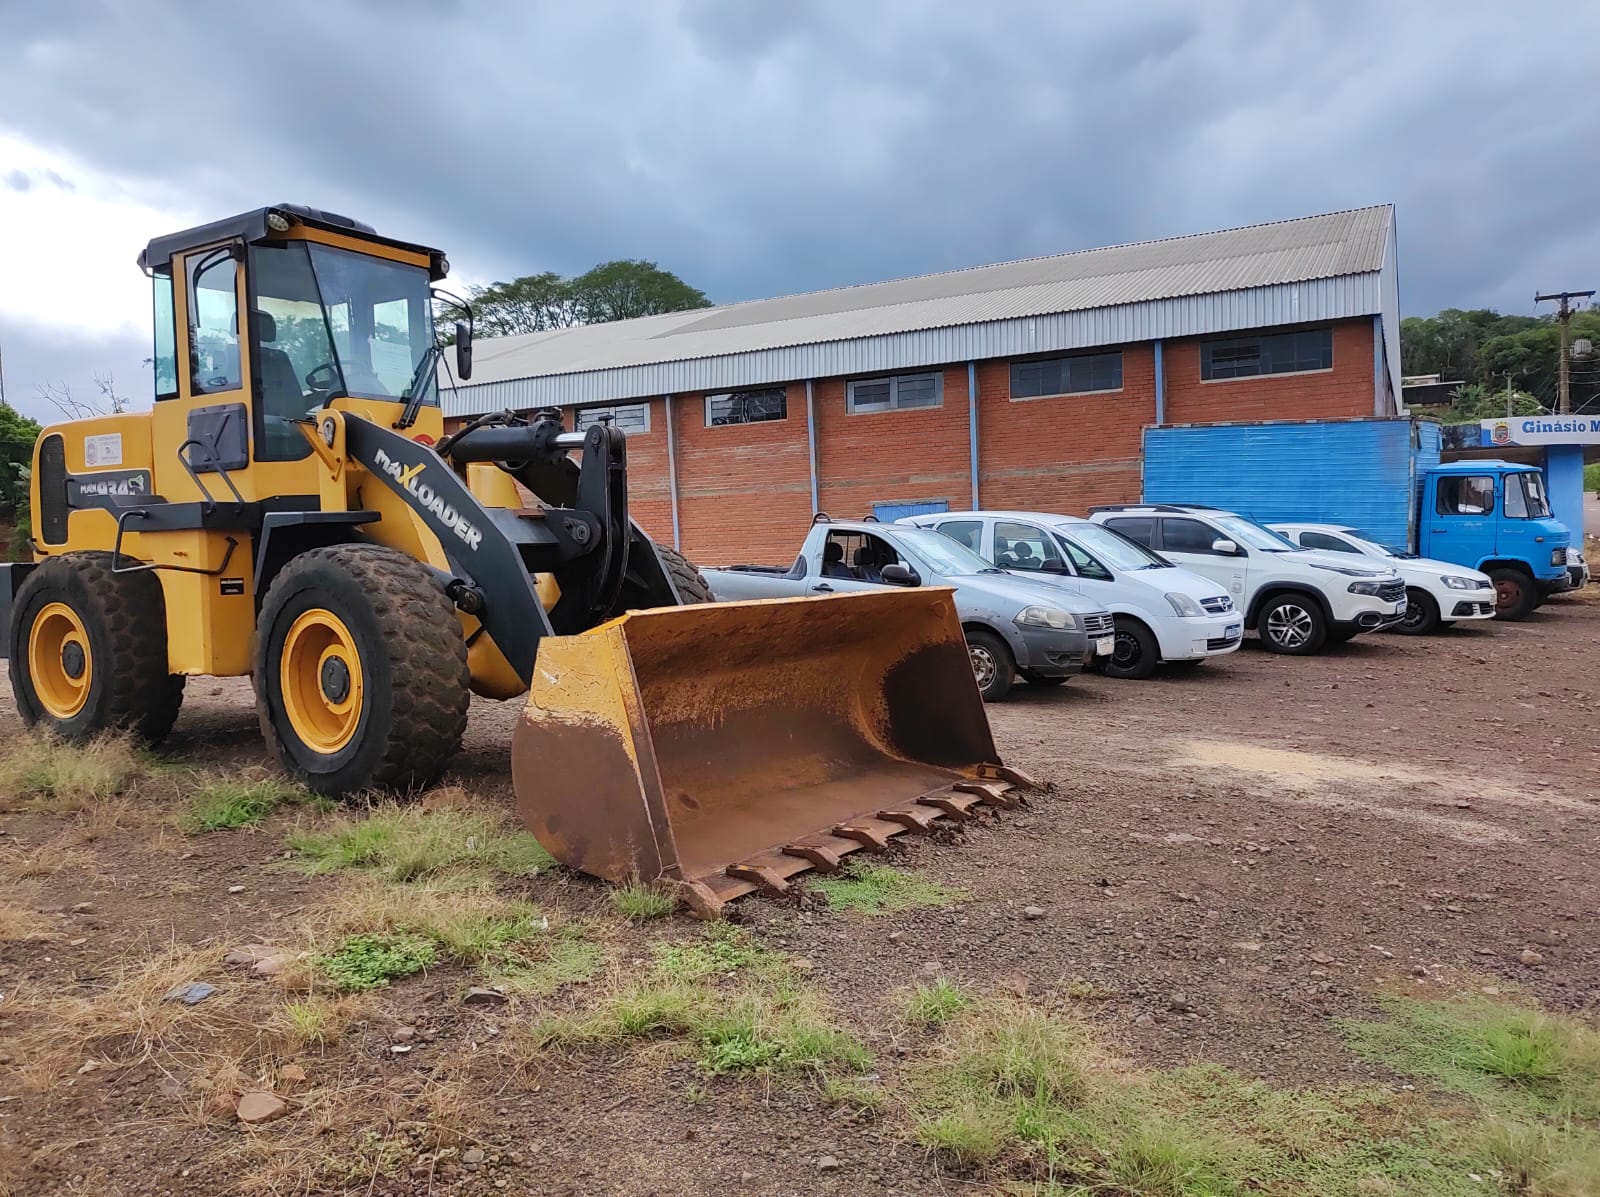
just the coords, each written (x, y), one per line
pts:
(857, 555)
(1516, 499)
(1023, 546)
(1466, 494)
(1084, 565)
(165, 359)
(1187, 536)
(1332, 544)
(966, 532)
(213, 322)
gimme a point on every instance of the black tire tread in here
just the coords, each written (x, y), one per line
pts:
(144, 698)
(1318, 640)
(1530, 594)
(690, 582)
(430, 680)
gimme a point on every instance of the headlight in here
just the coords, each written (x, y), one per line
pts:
(1558, 556)
(1372, 588)
(1184, 605)
(1455, 583)
(1574, 557)
(1045, 617)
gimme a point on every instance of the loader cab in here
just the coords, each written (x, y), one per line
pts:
(264, 318)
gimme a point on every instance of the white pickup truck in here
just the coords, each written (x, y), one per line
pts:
(1014, 626)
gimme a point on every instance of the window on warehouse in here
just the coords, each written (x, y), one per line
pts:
(632, 418)
(1267, 353)
(897, 392)
(747, 407)
(1077, 374)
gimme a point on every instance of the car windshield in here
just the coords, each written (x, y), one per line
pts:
(1113, 548)
(1533, 488)
(942, 553)
(1250, 533)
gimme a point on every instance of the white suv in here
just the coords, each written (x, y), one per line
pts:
(1437, 592)
(1163, 613)
(1295, 599)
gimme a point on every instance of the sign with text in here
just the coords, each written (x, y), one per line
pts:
(1541, 430)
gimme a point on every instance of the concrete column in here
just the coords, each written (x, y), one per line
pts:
(811, 443)
(972, 429)
(672, 475)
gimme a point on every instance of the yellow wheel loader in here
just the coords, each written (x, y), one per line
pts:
(292, 508)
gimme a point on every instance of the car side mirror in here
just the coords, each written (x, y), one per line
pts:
(463, 350)
(1226, 548)
(899, 575)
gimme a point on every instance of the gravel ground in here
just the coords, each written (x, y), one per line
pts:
(1227, 860)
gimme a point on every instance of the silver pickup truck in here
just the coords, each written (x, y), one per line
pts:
(1014, 626)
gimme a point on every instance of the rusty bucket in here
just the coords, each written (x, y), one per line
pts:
(725, 747)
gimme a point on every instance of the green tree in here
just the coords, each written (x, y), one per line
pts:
(17, 435)
(617, 290)
(1473, 401)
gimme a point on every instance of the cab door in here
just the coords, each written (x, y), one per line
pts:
(1188, 542)
(1461, 518)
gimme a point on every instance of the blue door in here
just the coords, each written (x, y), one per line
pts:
(889, 512)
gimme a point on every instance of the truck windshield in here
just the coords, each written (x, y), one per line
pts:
(1253, 534)
(942, 553)
(1111, 547)
(1538, 506)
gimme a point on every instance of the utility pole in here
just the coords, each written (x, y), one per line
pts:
(1563, 316)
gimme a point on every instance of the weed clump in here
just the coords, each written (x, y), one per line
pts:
(641, 901)
(66, 777)
(223, 803)
(880, 889)
(368, 961)
(934, 1004)
(411, 844)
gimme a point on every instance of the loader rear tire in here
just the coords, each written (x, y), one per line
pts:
(690, 584)
(361, 671)
(89, 651)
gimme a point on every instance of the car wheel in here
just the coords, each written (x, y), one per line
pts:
(1292, 624)
(1422, 614)
(1136, 651)
(1515, 594)
(992, 666)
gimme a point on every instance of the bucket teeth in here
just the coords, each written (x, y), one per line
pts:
(911, 820)
(996, 792)
(954, 806)
(765, 877)
(869, 838)
(824, 860)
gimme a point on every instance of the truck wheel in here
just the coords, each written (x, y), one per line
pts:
(1422, 614)
(1515, 594)
(361, 671)
(690, 584)
(89, 651)
(992, 666)
(1292, 624)
(1136, 651)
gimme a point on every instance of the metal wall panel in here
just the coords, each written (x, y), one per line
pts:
(1186, 316)
(1354, 472)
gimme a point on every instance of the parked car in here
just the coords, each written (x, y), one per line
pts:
(1577, 568)
(1295, 599)
(1014, 626)
(1438, 593)
(1163, 613)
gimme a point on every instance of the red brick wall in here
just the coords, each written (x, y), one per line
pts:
(1345, 390)
(744, 489)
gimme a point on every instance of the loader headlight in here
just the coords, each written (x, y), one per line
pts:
(1558, 556)
(1458, 583)
(1372, 588)
(1046, 617)
(277, 222)
(1185, 606)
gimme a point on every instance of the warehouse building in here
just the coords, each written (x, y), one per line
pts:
(1022, 385)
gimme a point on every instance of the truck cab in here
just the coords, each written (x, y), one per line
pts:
(1494, 516)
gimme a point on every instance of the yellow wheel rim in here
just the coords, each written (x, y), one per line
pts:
(321, 681)
(59, 661)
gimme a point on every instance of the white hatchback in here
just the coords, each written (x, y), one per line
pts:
(1163, 613)
(1437, 592)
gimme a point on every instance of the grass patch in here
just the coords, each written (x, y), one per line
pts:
(879, 889)
(568, 958)
(641, 901)
(222, 803)
(722, 998)
(1017, 1089)
(854, 1094)
(933, 1004)
(64, 778)
(369, 961)
(410, 844)
(316, 1020)
(20, 925)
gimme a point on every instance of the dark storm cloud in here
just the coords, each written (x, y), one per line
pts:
(762, 148)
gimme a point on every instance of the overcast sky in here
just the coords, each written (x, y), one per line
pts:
(762, 148)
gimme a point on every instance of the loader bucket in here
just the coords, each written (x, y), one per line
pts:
(725, 747)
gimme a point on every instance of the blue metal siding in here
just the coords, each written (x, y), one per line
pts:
(889, 512)
(1355, 472)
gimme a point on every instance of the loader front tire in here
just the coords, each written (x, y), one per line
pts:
(690, 583)
(361, 671)
(89, 650)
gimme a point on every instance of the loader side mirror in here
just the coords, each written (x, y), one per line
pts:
(899, 575)
(463, 350)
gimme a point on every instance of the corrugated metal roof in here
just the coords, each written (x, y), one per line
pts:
(1264, 259)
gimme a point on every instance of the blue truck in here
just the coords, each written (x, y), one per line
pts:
(1382, 476)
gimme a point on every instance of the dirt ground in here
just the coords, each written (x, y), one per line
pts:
(1230, 859)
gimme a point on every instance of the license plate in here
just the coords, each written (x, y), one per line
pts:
(1105, 646)
(1233, 631)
